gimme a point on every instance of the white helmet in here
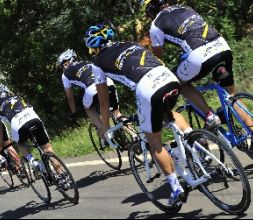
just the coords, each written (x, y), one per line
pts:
(65, 56)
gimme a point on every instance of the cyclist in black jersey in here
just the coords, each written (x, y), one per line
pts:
(21, 117)
(154, 85)
(81, 74)
(205, 50)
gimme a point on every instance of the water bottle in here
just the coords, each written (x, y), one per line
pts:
(174, 151)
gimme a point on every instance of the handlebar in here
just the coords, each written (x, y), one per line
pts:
(123, 121)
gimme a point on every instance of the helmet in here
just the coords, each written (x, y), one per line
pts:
(98, 35)
(152, 7)
(65, 56)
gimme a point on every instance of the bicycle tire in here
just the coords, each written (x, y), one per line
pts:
(238, 130)
(156, 194)
(37, 181)
(219, 177)
(6, 175)
(50, 164)
(109, 155)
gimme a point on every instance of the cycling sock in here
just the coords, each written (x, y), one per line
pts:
(188, 130)
(174, 183)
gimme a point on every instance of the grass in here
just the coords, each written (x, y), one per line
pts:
(73, 142)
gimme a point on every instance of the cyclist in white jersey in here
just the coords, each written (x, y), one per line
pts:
(156, 88)
(205, 50)
(21, 117)
(81, 74)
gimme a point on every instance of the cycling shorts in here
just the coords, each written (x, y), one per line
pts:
(90, 92)
(21, 124)
(150, 92)
(204, 60)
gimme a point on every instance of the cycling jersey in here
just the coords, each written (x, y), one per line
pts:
(78, 73)
(82, 75)
(126, 62)
(183, 26)
(11, 105)
(19, 115)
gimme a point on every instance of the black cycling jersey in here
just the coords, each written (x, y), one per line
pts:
(128, 59)
(10, 105)
(182, 23)
(80, 71)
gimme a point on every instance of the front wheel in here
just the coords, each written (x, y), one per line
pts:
(109, 155)
(60, 176)
(37, 181)
(6, 174)
(228, 187)
(150, 178)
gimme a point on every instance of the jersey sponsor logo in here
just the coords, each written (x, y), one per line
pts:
(188, 23)
(122, 57)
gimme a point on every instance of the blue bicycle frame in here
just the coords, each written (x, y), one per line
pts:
(227, 106)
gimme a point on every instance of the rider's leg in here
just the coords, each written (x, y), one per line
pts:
(181, 122)
(94, 116)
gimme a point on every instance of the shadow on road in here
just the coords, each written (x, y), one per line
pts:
(195, 214)
(33, 207)
(249, 171)
(98, 176)
(4, 189)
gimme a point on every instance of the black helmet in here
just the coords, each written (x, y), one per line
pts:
(152, 7)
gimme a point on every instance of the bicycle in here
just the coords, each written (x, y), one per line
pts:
(213, 177)
(236, 132)
(111, 156)
(52, 172)
(9, 169)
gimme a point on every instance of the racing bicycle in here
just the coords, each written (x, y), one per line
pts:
(52, 172)
(233, 130)
(214, 169)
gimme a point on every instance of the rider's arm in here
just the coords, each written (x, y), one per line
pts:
(71, 100)
(157, 41)
(69, 93)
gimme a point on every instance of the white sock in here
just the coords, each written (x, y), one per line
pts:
(174, 183)
(188, 130)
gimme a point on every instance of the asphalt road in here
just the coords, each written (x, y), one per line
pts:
(105, 194)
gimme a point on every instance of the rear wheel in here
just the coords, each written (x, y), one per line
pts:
(109, 155)
(150, 178)
(228, 187)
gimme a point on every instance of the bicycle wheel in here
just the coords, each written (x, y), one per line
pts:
(194, 119)
(37, 181)
(61, 177)
(228, 187)
(150, 178)
(6, 174)
(243, 104)
(108, 154)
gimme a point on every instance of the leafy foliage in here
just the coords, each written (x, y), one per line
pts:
(34, 33)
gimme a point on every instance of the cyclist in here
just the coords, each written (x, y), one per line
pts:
(205, 50)
(21, 117)
(137, 68)
(81, 74)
